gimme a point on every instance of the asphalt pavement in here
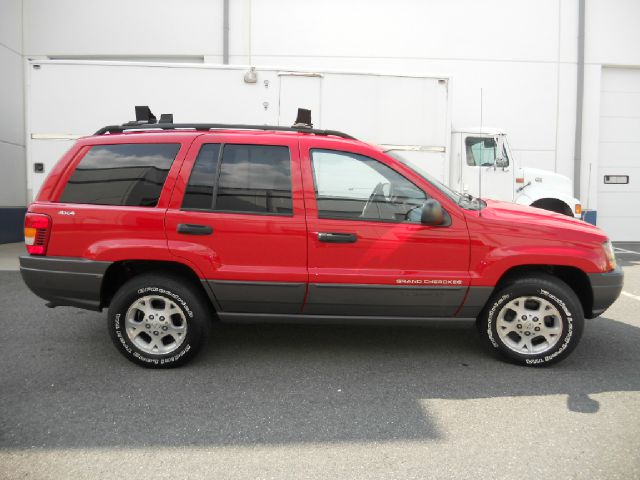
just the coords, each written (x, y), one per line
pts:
(325, 402)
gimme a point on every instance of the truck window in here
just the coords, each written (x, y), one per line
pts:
(250, 179)
(481, 152)
(124, 174)
(355, 187)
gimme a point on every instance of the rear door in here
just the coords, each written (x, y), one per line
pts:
(368, 252)
(237, 216)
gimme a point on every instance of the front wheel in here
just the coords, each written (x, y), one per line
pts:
(533, 321)
(158, 321)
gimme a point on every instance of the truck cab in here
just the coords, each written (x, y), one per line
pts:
(483, 164)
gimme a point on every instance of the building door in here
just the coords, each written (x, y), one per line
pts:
(619, 154)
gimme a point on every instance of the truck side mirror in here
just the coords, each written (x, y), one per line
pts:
(501, 160)
(432, 213)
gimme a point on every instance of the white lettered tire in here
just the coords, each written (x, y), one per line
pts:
(158, 321)
(533, 321)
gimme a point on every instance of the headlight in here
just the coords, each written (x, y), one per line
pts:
(611, 257)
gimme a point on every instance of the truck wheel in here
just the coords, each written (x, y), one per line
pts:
(533, 321)
(158, 321)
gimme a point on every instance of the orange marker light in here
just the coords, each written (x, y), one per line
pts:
(30, 235)
(520, 180)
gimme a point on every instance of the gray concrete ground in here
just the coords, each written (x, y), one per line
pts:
(9, 253)
(321, 402)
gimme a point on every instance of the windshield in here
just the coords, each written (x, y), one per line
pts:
(464, 200)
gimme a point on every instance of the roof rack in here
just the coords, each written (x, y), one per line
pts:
(145, 120)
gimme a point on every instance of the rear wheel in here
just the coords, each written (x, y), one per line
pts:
(158, 321)
(533, 320)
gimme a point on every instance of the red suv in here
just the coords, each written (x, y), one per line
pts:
(172, 225)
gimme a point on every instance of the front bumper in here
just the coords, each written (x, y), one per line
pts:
(65, 281)
(606, 288)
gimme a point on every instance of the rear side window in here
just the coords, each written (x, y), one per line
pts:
(246, 179)
(125, 174)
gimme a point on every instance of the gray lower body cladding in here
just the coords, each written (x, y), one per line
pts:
(77, 282)
(347, 299)
(606, 288)
(64, 281)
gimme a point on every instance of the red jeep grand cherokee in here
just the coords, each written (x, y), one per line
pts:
(172, 225)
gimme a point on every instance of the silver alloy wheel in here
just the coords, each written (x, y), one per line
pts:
(529, 325)
(155, 325)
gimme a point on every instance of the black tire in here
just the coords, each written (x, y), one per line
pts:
(544, 289)
(188, 306)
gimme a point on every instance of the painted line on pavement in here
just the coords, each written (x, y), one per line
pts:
(631, 295)
(623, 250)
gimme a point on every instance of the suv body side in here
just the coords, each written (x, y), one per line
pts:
(265, 264)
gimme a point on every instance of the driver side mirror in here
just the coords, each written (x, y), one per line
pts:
(432, 213)
(502, 161)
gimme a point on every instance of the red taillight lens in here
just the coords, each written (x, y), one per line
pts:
(36, 233)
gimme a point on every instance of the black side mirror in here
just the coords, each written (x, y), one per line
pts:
(432, 213)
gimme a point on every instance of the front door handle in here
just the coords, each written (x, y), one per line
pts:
(329, 237)
(191, 229)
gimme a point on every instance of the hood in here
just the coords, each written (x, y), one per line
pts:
(531, 222)
(547, 180)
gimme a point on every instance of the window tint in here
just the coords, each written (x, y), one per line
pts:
(199, 194)
(254, 179)
(352, 186)
(125, 174)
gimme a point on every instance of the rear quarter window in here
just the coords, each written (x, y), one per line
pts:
(123, 174)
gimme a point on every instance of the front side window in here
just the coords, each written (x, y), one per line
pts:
(351, 186)
(481, 152)
(124, 174)
(244, 179)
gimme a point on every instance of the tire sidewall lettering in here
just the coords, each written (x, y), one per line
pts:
(566, 317)
(131, 350)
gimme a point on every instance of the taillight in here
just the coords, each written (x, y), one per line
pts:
(36, 233)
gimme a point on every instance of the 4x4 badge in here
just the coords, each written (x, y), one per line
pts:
(66, 212)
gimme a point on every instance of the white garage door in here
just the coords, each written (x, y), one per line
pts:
(619, 154)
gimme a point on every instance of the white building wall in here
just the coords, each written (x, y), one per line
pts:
(521, 53)
(509, 49)
(12, 141)
(612, 38)
(124, 28)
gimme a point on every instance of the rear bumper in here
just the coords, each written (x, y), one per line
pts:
(606, 288)
(64, 281)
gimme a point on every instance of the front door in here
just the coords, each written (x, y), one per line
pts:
(237, 217)
(482, 176)
(368, 252)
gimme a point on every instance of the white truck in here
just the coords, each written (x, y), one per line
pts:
(68, 99)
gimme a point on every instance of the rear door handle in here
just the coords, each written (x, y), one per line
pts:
(329, 237)
(192, 229)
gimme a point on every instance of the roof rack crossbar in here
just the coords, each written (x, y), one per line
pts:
(216, 126)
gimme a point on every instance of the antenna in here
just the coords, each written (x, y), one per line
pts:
(480, 166)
